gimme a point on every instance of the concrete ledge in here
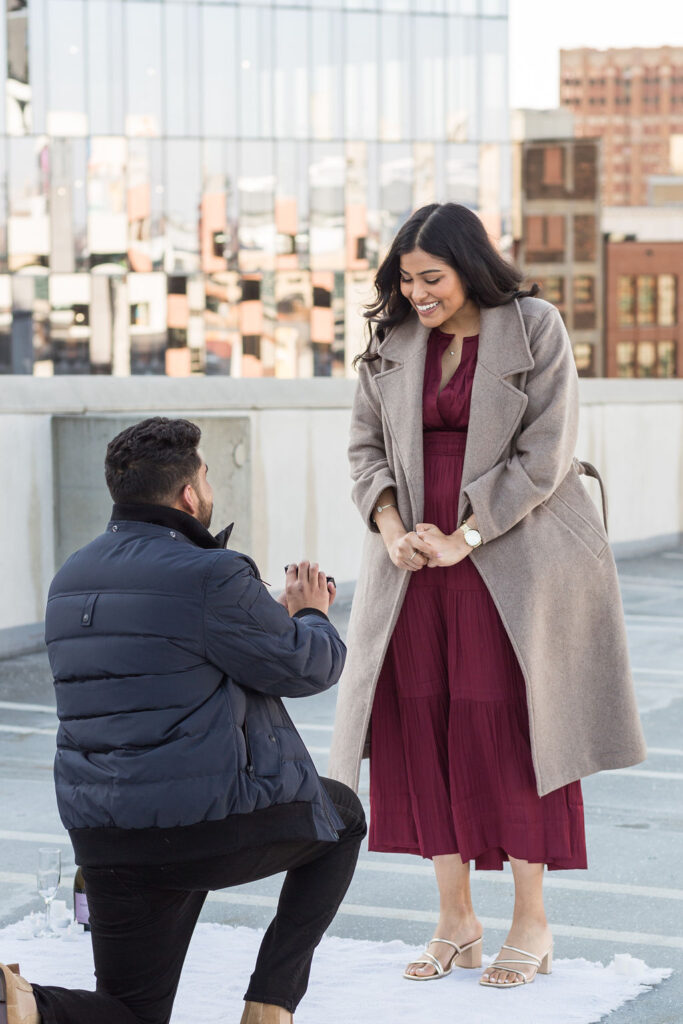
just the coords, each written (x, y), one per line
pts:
(19, 640)
(55, 395)
(601, 390)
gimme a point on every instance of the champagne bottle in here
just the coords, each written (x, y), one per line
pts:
(81, 912)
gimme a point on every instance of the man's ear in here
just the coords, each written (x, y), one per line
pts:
(188, 500)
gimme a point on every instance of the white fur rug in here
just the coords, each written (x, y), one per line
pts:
(352, 982)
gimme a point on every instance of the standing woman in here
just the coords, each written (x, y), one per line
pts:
(487, 639)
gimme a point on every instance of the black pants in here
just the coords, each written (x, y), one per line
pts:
(142, 920)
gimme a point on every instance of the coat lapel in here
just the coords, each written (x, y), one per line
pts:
(497, 403)
(400, 393)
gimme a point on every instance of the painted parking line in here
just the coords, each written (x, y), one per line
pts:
(404, 914)
(652, 583)
(501, 924)
(10, 705)
(28, 730)
(549, 882)
(632, 773)
(643, 773)
(678, 672)
(654, 624)
(387, 867)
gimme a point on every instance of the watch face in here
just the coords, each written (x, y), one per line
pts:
(473, 538)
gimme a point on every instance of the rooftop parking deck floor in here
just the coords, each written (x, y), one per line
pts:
(630, 900)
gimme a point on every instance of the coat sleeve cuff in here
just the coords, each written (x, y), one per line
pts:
(367, 501)
(310, 611)
(486, 497)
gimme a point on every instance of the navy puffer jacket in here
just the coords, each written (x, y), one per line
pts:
(169, 659)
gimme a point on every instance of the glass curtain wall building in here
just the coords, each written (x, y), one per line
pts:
(197, 186)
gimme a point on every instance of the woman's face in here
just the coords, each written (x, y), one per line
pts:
(433, 289)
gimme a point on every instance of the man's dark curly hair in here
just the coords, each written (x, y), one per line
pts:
(150, 462)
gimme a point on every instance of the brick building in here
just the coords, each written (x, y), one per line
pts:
(644, 309)
(556, 225)
(633, 100)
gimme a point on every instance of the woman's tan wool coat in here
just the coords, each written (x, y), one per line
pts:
(545, 557)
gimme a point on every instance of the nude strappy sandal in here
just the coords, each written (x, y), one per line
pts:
(463, 956)
(539, 964)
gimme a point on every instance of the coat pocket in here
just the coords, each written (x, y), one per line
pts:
(576, 523)
(263, 746)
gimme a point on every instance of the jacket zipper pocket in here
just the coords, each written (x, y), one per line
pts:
(250, 761)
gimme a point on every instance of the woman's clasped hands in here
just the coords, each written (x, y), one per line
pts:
(428, 546)
(443, 548)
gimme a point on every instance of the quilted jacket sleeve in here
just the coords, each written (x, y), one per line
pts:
(252, 638)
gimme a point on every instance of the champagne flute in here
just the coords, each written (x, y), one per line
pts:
(48, 875)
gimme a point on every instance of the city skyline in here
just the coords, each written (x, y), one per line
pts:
(537, 35)
(209, 188)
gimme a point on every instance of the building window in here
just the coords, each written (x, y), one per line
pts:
(646, 359)
(552, 289)
(584, 237)
(583, 357)
(666, 300)
(626, 359)
(140, 314)
(553, 165)
(584, 302)
(251, 290)
(666, 359)
(545, 239)
(646, 298)
(251, 345)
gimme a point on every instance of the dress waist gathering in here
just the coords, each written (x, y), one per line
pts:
(444, 442)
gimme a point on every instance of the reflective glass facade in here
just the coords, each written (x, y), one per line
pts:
(207, 187)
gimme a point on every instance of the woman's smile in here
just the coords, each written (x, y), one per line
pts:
(426, 309)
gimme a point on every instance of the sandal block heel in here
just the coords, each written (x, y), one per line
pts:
(470, 957)
(547, 963)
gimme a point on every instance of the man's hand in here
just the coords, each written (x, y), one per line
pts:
(307, 587)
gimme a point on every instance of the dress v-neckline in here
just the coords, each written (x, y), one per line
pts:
(469, 338)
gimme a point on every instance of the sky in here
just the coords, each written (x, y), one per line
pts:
(539, 29)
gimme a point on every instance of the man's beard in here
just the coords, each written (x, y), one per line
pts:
(205, 512)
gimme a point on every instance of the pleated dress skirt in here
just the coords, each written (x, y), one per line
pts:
(450, 763)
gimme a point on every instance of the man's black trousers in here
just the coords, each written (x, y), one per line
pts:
(142, 920)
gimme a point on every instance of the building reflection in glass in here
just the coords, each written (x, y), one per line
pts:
(208, 188)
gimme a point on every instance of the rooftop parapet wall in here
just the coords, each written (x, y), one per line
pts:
(277, 456)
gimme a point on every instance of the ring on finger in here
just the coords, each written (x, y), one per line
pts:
(413, 555)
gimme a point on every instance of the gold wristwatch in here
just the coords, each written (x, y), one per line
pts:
(472, 536)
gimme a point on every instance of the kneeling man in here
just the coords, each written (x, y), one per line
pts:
(178, 769)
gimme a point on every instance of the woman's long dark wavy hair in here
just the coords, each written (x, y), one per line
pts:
(456, 236)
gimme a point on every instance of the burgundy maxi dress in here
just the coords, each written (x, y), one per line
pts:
(450, 761)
